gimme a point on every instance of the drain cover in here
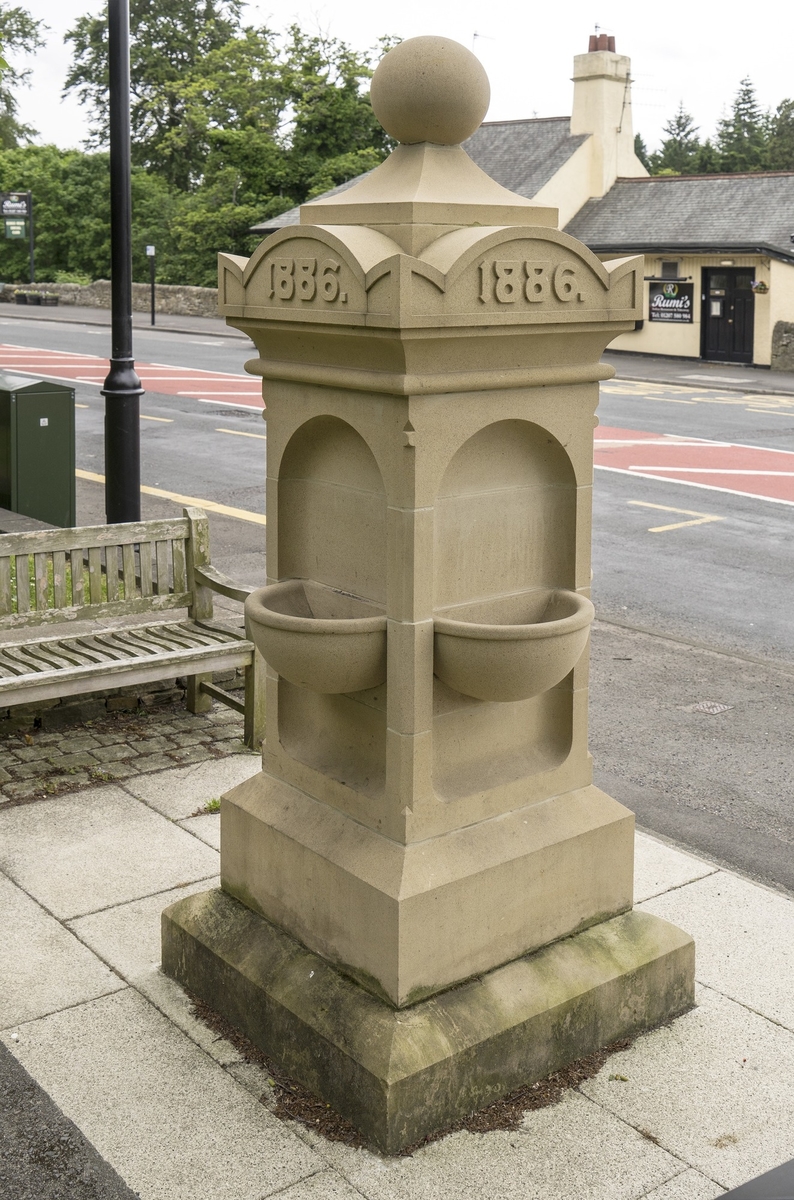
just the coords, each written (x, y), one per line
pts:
(712, 707)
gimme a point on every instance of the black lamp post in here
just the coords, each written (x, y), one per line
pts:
(122, 390)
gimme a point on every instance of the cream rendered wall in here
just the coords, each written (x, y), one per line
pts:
(683, 340)
(569, 189)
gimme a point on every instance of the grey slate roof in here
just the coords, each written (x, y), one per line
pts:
(692, 212)
(521, 155)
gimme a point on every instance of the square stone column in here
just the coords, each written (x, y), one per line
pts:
(425, 837)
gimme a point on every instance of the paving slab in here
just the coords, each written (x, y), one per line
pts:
(171, 1122)
(179, 792)
(689, 1185)
(572, 1149)
(86, 851)
(745, 940)
(716, 1088)
(659, 867)
(42, 1155)
(43, 967)
(326, 1185)
(207, 827)
(128, 937)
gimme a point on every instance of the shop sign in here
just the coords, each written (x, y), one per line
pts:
(670, 301)
(16, 227)
(14, 204)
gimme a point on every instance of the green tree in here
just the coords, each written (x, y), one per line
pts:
(641, 150)
(679, 150)
(170, 39)
(20, 33)
(743, 134)
(780, 147)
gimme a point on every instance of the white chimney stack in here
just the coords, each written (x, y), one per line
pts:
(602, 108)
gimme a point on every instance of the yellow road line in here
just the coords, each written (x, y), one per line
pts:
(243, 433)
(165, 420)
(241, 514)
(702, 518)
(82, 405)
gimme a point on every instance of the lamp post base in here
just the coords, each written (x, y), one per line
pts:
(401, 1074)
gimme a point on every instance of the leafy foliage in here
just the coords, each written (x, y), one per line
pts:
(746, 139)
(20, 33)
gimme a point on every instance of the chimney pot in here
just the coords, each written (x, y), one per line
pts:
(611, 44)
(593, 43)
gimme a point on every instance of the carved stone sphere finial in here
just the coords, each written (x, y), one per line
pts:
(430, 89)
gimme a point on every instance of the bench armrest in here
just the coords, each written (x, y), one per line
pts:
(209, 577)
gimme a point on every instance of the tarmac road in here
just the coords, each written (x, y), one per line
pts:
(692, 585)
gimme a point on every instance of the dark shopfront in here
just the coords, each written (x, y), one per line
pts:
(728, 310)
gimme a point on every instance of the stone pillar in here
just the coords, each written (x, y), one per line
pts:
(425, 901)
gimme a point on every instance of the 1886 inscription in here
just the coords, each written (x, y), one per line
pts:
(305, 278)
(510, 280)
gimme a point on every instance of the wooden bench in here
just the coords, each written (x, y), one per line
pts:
(83, 610)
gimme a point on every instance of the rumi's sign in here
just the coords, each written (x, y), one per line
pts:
(670, 301)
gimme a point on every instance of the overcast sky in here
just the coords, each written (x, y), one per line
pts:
(691, 50)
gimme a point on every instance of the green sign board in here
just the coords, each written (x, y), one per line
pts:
(16, 227)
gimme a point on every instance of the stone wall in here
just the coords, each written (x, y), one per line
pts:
(169, 298)
(783, 346)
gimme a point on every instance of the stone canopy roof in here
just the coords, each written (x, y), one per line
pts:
(686, 213)
(520, 155)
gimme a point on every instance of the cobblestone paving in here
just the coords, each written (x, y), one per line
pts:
(37, 764)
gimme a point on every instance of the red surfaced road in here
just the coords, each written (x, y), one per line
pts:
(721, 466)
(218, 386)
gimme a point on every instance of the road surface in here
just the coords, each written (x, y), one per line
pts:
(693, 651)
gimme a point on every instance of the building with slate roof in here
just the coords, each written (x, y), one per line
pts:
(719, 249)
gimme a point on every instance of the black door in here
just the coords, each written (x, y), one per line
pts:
(727, 308)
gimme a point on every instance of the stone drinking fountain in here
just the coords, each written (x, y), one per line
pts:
(425, 902)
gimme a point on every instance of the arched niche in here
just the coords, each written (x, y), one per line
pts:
(504, 517)
(332, 510)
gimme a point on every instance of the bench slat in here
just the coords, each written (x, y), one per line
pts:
(59, 579)
(76, 563)
(161, 561)
(23, 583)
(128, 572)
(180, 570)
(112, 572)
(95, 575)
(41, 576)
(5, 585)
(127, 533)
(145, 554)
(88, 612)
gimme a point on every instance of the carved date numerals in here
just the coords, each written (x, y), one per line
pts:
(303, 279)
(510, 280)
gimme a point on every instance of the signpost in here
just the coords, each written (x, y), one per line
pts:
(151, 256)
(16, 209)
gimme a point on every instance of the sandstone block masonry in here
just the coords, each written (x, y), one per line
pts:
(176, 299)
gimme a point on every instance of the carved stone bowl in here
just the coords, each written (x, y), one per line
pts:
(521, 646)
(318, 637)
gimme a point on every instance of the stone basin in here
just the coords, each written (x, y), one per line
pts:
(517, 647)
(318, 637)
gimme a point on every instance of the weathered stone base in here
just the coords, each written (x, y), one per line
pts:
(400, 1074)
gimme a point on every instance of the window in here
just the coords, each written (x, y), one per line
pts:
(670, 270)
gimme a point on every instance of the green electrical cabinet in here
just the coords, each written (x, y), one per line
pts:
(37, 449)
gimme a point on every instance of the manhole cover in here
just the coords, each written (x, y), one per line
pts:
(712, 707)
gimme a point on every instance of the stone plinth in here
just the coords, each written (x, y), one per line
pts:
(429, 345)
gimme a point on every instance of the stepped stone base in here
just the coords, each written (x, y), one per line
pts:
(401, 1074)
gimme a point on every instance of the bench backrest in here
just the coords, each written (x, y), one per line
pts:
(103, 571)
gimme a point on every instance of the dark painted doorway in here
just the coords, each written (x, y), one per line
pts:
(727, 308)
